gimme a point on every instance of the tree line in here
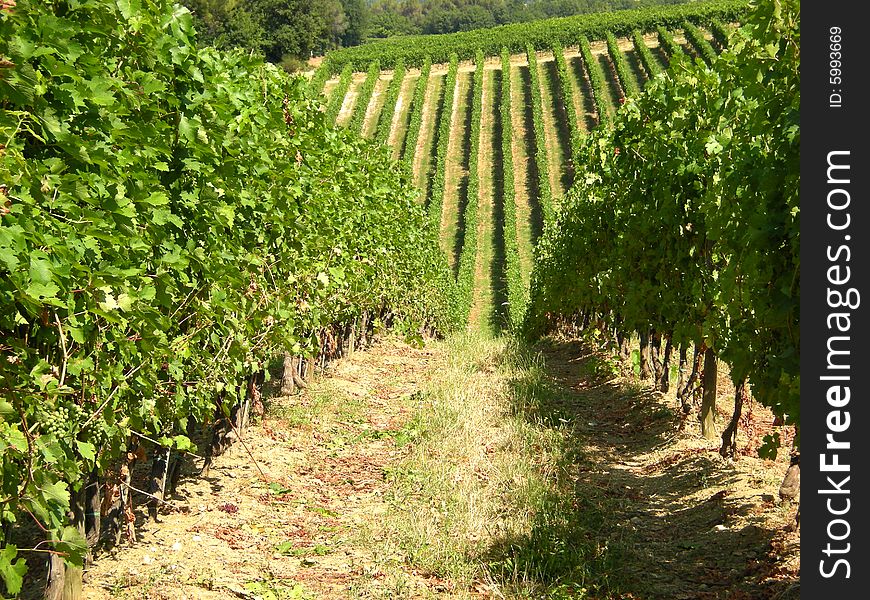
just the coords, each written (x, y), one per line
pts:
(291, 31)
(410, 17)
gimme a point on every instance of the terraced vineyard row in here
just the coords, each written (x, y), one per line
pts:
(523, 117)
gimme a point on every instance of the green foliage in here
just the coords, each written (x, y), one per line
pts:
(460, 18)
(517, 294)
(626, 78)
(416, 119)
(700, 43)
(318, 79)
(363, 98)
(567, 93)
(649, 62)
(686, 216)
(385, 120)
(357, 14)
(545, 194)
(436, 193)
(540, 34)
(596, 82)
(721, 32)
(403, 17)
(666, 39)
(336, 99)
(174, 218)
(276, 29)
(468, 255)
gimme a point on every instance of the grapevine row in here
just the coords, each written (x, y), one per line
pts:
(691, 241)
(649, 62)
(468, 255)
(545, 193)
(416, 120)
(720, 32)
(567, 92)
(670, 45)
(364, 98)
(319, 78)
(385, 121)
(436, 193)
(623, 72)
(164, 239)
(697, 39)
(336, 100)
(596, 82)
(517, 296)
(540, 34)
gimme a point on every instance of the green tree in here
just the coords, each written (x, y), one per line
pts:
(335, 23)
(357, 13)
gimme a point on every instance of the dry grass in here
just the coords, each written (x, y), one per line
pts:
(474, 468)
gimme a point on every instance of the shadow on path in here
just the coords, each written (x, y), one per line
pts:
(634, 511)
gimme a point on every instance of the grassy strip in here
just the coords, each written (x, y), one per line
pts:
(517, 294)
(468, 255)
(669, 44)
(568, 98)
(365, 96)
(499, 467)
(626, 79)
(416, 121)
(388, 112)
(697, 39)
(596, 79)
(650, 64)
(436, 202)
(544, 191)
(338, 94)
(721, 32)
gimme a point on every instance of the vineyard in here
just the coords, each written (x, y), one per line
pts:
(555, 217)
(542, 103)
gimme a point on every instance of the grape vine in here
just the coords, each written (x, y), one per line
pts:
(175, 218)
(685, 221)
(416, 119)
(385, 121)
(542, 164)
(649, 62)
(623, 72)
(364, 98)
(336, 99)
(517, 296)
(596, 82)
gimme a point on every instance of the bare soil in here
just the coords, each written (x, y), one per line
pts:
(237, 533)
(297, 511)
(681, 522)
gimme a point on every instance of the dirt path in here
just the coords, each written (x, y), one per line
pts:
(426, 141)
(399, 125)
(477, 467)
(588, 118)
(679, 521)
(637, 71)
(303, 530)
(349, 102)
(612, 87)
(376, 105)
(328, 88)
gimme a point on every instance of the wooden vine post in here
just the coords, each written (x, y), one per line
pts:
(708, 398)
